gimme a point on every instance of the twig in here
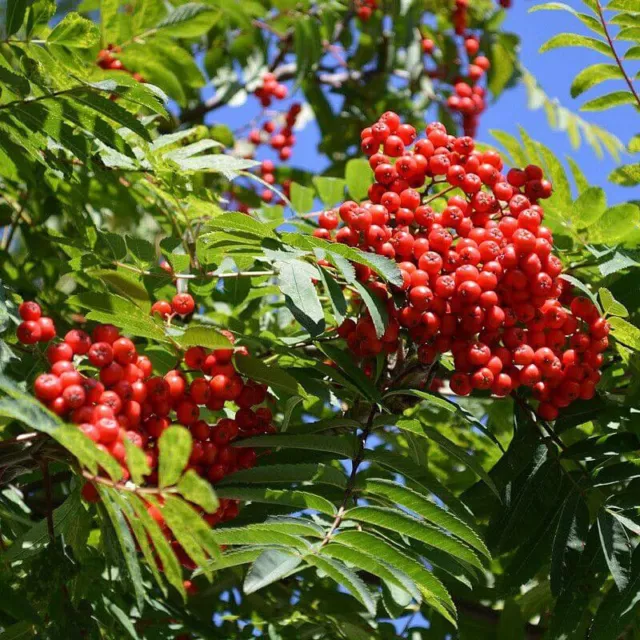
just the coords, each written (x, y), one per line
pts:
(23, 437)
(349, 489)
(44, 465)
(122, 486)
(192, 276)
(603, 22)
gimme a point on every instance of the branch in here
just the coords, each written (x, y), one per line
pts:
(349, 489)
(192, 276)
(603, 22)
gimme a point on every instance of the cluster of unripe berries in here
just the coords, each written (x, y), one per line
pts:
(480, 280)
(107, 61)
(365, 8)
(101, 383)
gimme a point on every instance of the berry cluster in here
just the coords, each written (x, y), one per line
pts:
(103, 385)
(281, 141)
(270, 89)
(106, 60)
(468, 97)
(479, 276)
(365, 9)
(34, 326)
(461, 14)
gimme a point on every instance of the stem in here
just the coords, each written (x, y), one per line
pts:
(23, 437)
(121, 486)
(48, 96)
(210, 274)
(48, 492)
(349, 489)
(603, 22)
(435, 196)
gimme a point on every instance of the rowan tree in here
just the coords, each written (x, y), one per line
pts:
(393, 395)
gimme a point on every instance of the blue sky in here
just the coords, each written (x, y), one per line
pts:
(554, 70)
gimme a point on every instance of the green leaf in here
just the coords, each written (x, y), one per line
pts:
(335, 293)
(618, 610)
(342, 445)
(625, 332)
(269, 567)
(396, 520)
(299, 499)
(424, 507)
(118, 311)
(594, 75)
(616, 224)
(616, 548)
(170, 565)
(610, 305)
(431, 588)
(568, 539)
(301, 198)
(287, 473)
(574, 40)
(385, 268)
(109, 22)
(74, 32)
(228, 166)
(296, 280)
(36, 539)
(345, 577)
(353, 372)
(627, 175)
(136, 462)
(203, 335)
(14, 16)
(271, 375)
(241, 222)
(196, 489)
(414, 426)
(622, 5)
(113, 111)
(376, 308)
(359, 178)
(608, 101)
(330, 190)
(394, 578)
(191, 531)
(175, 448)
(125, 540)
(189, 20)
(262, 534)
(589, 207)
(144, 542)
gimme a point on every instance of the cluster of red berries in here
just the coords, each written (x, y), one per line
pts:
(107, 61)
(270, 89)
(479, 276)
(365, 8)
(103, 385)
(461, 14)
(34, 326)
(281, 141)
(182, 304)
(468, 97)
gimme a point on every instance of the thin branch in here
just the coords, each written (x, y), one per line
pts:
(192, 276)
(349, 489)
(44, 465)
(627, 79)
(122, 486)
